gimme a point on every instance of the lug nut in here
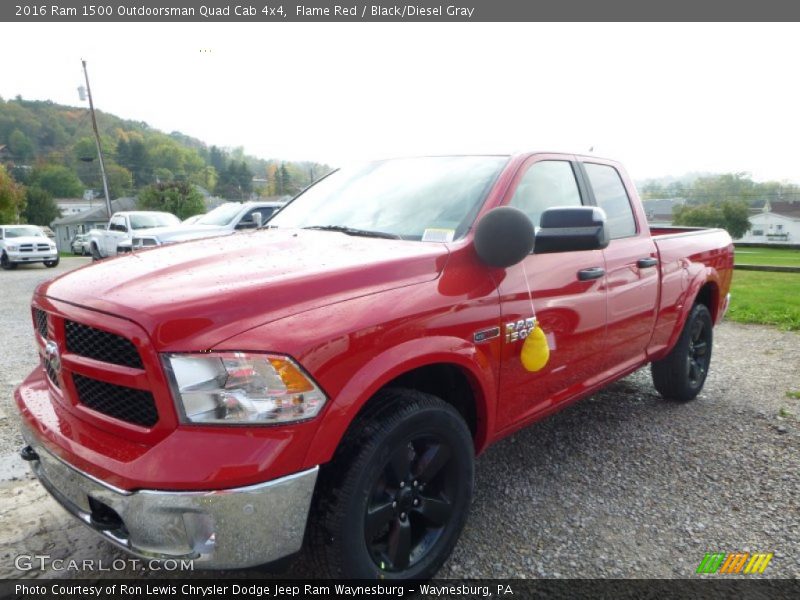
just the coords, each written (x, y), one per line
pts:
(416, 501)
(402, 484)
(394, 504)
(402, 515)
(415, 483)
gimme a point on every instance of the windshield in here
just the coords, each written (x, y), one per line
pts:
(15, 232)
(222, 215)
(148, 220)
(428, 199)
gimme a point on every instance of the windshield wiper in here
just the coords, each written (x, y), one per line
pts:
(353, 231)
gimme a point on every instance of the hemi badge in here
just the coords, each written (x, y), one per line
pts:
(484, 335)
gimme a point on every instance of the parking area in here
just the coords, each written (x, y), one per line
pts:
(622, 484)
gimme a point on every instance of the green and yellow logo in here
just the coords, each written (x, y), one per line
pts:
(734, 562)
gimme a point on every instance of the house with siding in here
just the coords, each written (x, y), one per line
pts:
(778, 222)
(68, 226)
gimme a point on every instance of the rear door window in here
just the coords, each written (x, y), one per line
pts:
(610, 194)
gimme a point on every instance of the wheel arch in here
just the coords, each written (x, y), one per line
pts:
(448, 367)
(704, 288)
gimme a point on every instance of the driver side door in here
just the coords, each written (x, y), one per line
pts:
(569, 298)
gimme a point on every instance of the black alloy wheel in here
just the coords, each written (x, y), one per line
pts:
(410, 504)
(699, 355)
(681, 374)
(394, 499)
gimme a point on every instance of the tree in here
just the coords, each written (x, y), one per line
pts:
(216, 158)
(21, 146)
(40, 207)
(283, 181)
(59, 181)
(206, 178)
(719, 188)
(177, 197)
(132, 154)
(236, 181)
(731, 215)
(120, 180)
(12, 198)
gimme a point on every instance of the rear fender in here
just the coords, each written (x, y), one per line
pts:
(704, 276)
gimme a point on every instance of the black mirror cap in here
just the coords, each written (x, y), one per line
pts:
(504, 236)
(571, 229)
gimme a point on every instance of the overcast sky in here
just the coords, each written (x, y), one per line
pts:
(664, 99)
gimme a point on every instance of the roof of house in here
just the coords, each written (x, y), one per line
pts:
(783, 208)
(661, 208)
(98, 213)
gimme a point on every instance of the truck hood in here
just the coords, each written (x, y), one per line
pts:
(193, 295)
(27, 239)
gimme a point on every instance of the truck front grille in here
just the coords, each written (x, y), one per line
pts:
(124, 403)
(40, 318)
(32, 247)
(52, 375)
(101, 345)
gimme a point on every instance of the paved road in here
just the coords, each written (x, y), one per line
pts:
(622, 484)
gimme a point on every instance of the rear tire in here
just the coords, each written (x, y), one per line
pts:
(681, 374)
(393, 502)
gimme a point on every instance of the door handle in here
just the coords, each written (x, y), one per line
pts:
(644, 263)
(591, 273)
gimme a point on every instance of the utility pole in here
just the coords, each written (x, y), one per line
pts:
(97, 141)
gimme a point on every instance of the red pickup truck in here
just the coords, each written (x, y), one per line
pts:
(332, 376)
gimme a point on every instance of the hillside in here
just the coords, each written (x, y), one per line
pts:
(39, 135)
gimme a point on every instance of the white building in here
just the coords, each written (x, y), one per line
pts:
(777, 223)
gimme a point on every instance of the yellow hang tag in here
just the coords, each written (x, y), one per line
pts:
(535, 351)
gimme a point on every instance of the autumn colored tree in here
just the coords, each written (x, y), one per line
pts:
(12, 198)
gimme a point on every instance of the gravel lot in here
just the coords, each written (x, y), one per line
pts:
(619, 485)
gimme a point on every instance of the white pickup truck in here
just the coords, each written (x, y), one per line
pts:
(223, 220)
(25, 244)
(104, 243)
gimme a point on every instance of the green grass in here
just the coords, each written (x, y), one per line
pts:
(766, 298)
(778, 257)
(793, 395)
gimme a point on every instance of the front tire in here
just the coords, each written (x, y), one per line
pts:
(96, 253)
(52, 263)
(393, 502)
(681, 374)
(6, 264)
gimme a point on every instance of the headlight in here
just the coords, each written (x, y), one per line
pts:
(12, 247)
(241, 388)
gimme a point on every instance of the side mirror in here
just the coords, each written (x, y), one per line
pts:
(257, 219)
(504, 236)
(571, 229)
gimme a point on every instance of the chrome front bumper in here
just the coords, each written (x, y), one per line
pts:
(31, 257)
(233, 528)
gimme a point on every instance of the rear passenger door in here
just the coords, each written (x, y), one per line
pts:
(631, 267)
(570, 308)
